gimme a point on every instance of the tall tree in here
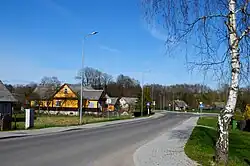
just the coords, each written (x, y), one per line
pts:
(106, 79)
(94, 77)
(146, 98)
(23, 92)
(50, 81)
(212, 25)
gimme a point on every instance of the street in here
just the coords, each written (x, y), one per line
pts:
(111, 145)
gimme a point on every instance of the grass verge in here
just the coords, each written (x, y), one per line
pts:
(201, 144)
(203, 111)
(60, 121)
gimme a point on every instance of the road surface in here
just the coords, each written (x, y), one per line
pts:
(111, 145)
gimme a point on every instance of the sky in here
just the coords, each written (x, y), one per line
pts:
(44, 38)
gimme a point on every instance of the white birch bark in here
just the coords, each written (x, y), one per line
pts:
(224, 118)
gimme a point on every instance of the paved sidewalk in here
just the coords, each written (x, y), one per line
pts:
(34, 132)
(167, 149)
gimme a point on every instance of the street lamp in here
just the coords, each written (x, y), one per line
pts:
(83, 41)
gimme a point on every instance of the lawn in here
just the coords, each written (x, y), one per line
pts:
(201, 144)
(205, 111)
(57, 121)
(208, 121)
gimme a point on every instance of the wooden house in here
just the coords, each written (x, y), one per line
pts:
(128, 103)
(112, 104)
(6, 101)
(180, 105)
(66, 99)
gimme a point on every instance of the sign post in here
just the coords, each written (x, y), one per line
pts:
(148, 105)
(108, 101)
(29, 118)
(201, 107)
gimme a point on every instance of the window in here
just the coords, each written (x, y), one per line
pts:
(58, 103)
(65, 91)
(35, 103)
(47, 103)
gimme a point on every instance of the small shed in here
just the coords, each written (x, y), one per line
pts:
(180, 105)
(113, 105)
(6, 100)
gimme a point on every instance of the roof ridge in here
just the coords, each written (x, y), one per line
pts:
(6, 94)
(92, 90)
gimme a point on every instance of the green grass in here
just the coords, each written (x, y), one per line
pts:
(201, 144)
(208, 121)
(59, 121)
(205, 111)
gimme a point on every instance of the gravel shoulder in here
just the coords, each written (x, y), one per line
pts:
(167, 149)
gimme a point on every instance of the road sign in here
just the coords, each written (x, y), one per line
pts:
(201, 105)
(148, 103)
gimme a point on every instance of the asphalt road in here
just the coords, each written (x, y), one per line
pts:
(109, 145)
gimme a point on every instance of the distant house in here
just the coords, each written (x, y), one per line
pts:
(180, 105)
(112, 103)
(218, 105)
(66, 99)
(6, 100)
(94, 101)
(128, 103)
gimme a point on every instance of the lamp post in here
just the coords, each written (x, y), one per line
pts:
(83, 41)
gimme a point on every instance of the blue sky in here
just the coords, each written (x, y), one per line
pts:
(44, 38)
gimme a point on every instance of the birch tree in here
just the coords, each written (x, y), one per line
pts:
(205, 29)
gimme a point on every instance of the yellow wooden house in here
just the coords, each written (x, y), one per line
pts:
(66, 99)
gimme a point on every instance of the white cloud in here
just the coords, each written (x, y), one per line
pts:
(110, 49)
(158, 34)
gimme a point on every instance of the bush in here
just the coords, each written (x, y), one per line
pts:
(238, 116)
(247, 112)
(247, 117)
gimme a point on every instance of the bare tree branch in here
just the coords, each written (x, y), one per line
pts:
(245, 33)
(207, 17)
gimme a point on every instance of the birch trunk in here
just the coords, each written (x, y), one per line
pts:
(226, 114)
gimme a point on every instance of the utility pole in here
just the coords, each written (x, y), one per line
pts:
(160, 101)
(173, 101)
(142, 95)
(152, 95)
(164, 99)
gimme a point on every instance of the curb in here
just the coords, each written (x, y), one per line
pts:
(13, 136)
